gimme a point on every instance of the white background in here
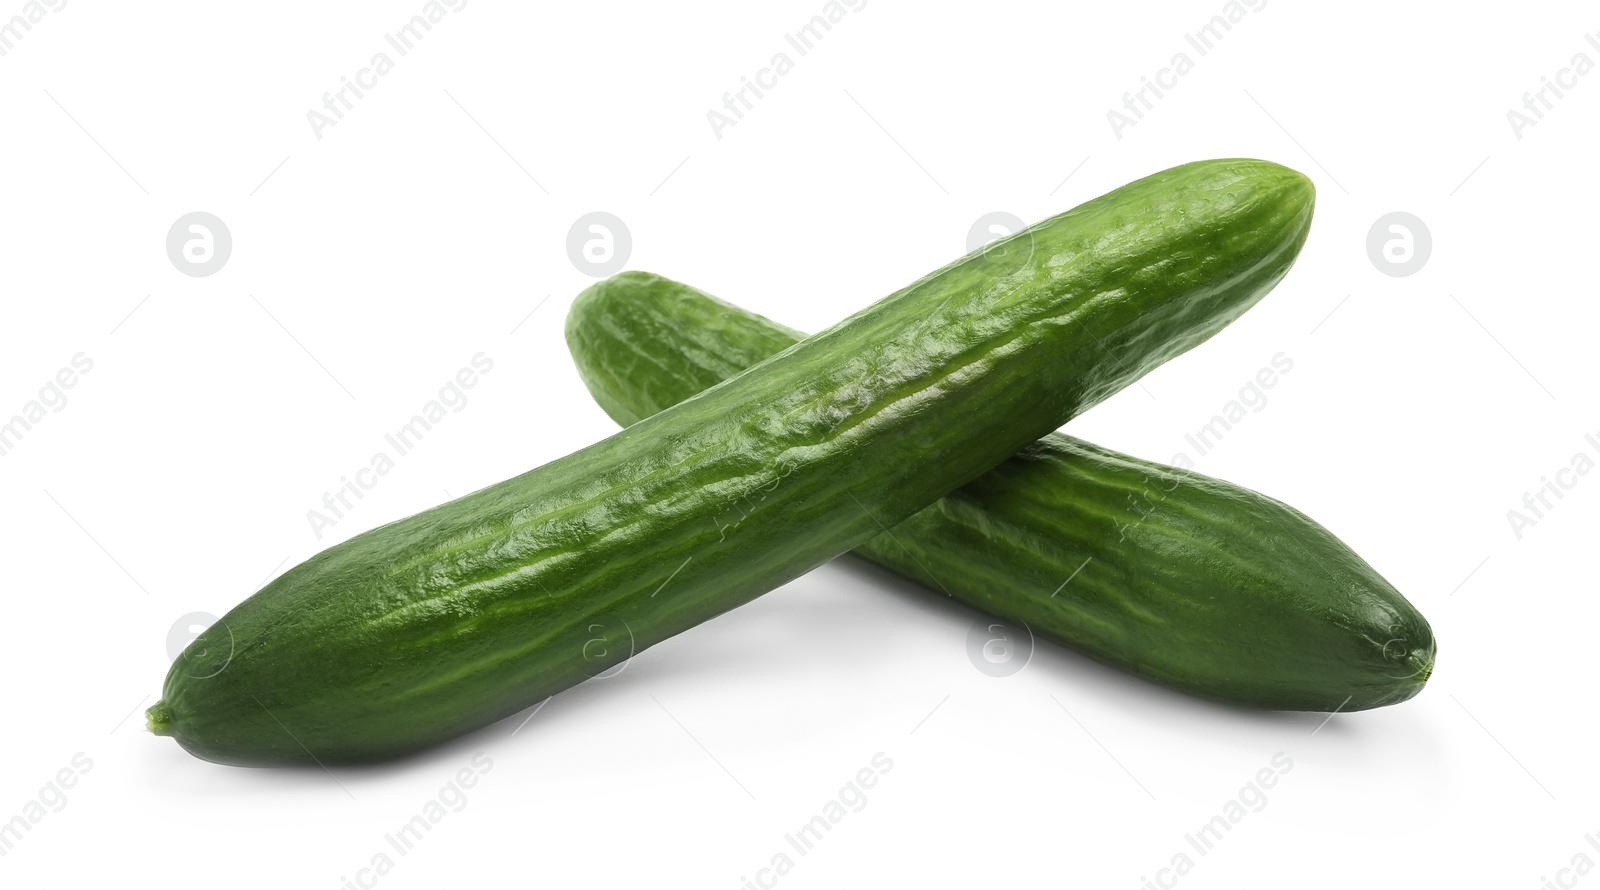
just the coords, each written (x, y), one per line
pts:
(425, 227)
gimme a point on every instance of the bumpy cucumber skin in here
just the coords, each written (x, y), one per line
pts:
(1189, 581)
(462, 615)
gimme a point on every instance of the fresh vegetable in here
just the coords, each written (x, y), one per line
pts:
(1186, 580)
(459, 616)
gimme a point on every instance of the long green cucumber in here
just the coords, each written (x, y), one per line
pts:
(1186, 580)
(449, 620)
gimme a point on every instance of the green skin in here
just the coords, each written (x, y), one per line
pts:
(432, 626)
(1192, 582)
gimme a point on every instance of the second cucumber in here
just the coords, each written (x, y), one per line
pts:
(1186, 580)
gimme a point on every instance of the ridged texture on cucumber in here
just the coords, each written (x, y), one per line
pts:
(459, 616)
(1192, 582)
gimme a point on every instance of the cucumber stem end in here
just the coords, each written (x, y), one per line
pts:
(158, 718)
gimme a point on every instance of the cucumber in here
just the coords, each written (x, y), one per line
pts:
(443, 622)
(1189, 581)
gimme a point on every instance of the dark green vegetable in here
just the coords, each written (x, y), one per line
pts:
(466, 613)
(1186, 580)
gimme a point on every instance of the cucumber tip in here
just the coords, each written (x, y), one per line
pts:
(158, 718)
